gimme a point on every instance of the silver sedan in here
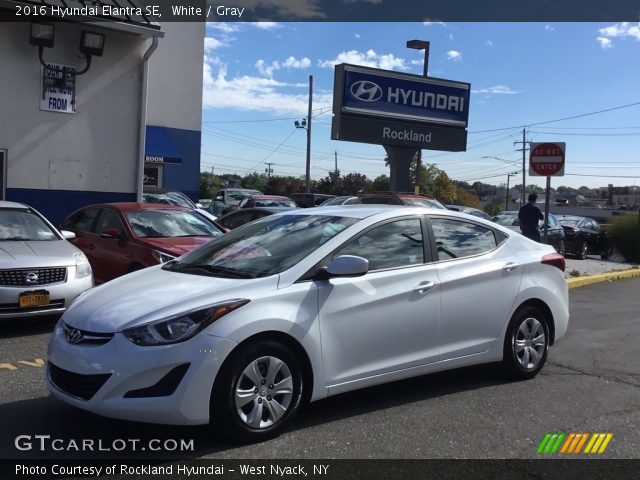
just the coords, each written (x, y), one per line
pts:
(305, 304)
(41, 273)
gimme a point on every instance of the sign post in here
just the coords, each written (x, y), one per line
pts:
(547, 159)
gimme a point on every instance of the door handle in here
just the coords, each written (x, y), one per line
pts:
(424, 287)
(510, 266)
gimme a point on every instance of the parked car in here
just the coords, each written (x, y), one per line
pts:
(119, 238)
(343, 200)
(41, 273)
(470, 211)
(228, 199)
(555, 232)
(173, 197)
(585, 236)
(400, 198)
(245, 215)
(305, 304)
(308, 200)
(266, 201)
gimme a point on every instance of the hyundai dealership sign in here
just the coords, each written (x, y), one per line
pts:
(394, 108)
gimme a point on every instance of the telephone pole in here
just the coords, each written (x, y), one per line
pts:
(524, 160)
(268, 170)
(336, 158)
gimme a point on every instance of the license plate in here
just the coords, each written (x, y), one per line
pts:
(34, 299)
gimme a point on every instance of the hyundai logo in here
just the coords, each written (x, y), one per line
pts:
(366, 91)
(31, 277)
(74, 336)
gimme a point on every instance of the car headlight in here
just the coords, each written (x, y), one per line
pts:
(83, 267)
(182, 327)
(161, 257)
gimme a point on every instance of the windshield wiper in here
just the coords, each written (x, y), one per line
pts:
(211, 270)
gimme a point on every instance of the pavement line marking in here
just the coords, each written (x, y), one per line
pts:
(37, 362)
(8, 366)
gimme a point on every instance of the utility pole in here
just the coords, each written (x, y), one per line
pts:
(336, 158)
(308, 174)
(524, 160)
(268, 170)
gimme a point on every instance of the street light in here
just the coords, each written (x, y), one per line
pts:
(506, 200)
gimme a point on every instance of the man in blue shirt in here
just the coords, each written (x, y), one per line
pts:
(529, 216)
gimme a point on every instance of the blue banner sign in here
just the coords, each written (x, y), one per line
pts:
(384, 93)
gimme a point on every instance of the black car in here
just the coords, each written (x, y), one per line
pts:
(245, 215)
(585, 236)
(555, 233)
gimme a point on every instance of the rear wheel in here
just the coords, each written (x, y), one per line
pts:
(526, 343)
(257, 391)
(607, 253)
(584, 250)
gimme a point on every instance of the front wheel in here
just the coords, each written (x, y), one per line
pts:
(257, 391)
(584, 250)
(607, 253)
(526, 344)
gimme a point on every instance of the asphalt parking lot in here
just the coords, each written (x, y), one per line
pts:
(590, 384)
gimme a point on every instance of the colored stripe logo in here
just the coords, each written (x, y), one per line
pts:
(574, 443)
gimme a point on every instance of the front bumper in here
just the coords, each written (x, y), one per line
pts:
(60, 294)
(123, 367)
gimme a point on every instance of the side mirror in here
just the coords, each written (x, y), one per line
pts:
(347, 266)
(111, 233)
(67, 235)
(199, 205)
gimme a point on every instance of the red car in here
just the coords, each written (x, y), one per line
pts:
(119, 238)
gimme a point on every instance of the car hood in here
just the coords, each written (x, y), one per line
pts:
(36, 254)
(176, 245)
(153, 294)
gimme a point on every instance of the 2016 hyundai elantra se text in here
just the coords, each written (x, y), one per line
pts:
(306, 304)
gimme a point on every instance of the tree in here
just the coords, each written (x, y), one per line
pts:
(255, 181)
(381, 184)
(332, 184)
(464, 197)
(355, 183)
(209, 184)
(444, 189)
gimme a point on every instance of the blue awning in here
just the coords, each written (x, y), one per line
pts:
(159, 146)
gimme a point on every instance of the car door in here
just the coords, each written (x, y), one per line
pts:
(388, 319)
(111, 257)
(81, 223)
(479, 280)
(592, 235)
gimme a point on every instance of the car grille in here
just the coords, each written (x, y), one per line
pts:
(77, 384)
(41, 276)
(84, 336)
(16, 308)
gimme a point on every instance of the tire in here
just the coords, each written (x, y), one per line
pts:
(607, 254)
(265, 374)
(563, 248)
(526, 344)
(584, 250)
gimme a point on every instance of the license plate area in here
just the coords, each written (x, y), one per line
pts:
(38, 298)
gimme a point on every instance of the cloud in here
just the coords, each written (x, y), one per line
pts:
(549, 27)
(224, 27)
(440, 24)
(489, 43)
(497, 90)
(249, 93)
(619, 30)
(367, 59)
(267, 69)
(605, 42)
(211, 44)
(454, 55)
(266, 25)
(357, 35)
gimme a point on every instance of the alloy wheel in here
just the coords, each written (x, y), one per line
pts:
(530, 343)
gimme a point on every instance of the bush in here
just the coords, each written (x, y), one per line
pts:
(625, 234)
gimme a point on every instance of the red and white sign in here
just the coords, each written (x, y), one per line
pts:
(547, 159)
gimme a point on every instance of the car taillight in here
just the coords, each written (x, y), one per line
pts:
(555, 260)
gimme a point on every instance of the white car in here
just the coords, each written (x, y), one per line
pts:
(41, 273)
(305, 304)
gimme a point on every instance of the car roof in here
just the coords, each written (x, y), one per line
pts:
(133, 206)
(361, 211)
(258, 209)
(270, 197)
(13, 205)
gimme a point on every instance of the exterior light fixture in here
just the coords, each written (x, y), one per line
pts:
(91, 43)
(42, 34)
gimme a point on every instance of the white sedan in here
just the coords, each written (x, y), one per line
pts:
(306, 304)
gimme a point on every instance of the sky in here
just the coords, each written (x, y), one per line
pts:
(522, 75)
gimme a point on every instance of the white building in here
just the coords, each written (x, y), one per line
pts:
(64, 145)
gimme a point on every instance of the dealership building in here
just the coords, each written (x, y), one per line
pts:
(92, 110)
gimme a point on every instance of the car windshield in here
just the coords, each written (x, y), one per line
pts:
(169, 223)
(424, 202)
(168, 198)
(275, 203)
(265, 247)
(569, 221)
(24, 225)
